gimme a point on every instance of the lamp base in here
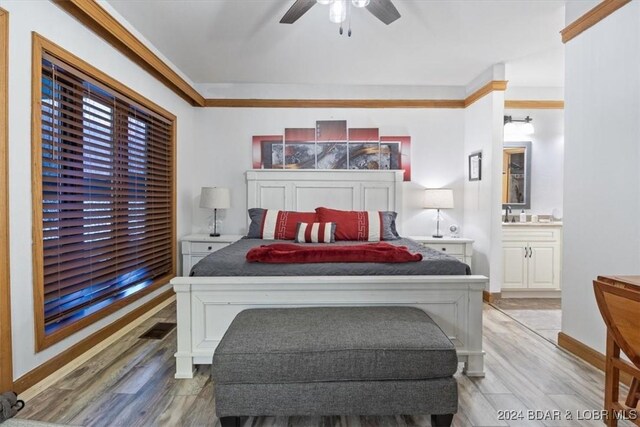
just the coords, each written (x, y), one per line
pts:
(437, 236)
(218, 234)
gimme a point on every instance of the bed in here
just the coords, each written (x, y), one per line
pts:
(206, 305)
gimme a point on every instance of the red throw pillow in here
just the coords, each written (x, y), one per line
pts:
(273, 224)
(354, 225)
(317, 232)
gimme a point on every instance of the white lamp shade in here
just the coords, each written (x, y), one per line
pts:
(215, 198)
(438, 198)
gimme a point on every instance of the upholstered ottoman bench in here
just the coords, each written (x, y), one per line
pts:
(335, 361)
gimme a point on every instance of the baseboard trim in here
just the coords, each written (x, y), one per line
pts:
(526, 293)
(490, 297)
(90, 344)
(586, 353)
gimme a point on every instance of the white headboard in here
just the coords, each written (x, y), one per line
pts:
(305, 190)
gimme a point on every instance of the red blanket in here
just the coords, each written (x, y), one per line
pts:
(288, 253)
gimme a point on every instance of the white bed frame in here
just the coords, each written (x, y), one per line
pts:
(207, 305)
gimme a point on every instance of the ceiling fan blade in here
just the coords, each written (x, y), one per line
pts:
(299, 8)
(384, 10)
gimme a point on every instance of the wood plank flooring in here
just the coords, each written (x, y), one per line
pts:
(542, 315)
(131, 384)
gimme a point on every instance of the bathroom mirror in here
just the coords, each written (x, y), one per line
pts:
(516, 175)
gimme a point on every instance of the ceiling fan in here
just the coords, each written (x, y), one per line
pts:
(384, 10)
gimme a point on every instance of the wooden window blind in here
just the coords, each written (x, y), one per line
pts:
(107, 194)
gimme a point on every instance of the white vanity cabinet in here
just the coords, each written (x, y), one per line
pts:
(531, 256)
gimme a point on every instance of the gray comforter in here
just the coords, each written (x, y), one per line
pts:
(231, 261)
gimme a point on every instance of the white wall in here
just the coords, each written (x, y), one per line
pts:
(601, 174)
(483, 122)
(547, 156)
(224, 135)
(54, 24)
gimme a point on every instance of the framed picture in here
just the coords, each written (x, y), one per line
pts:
(475, 166)
(332, 145)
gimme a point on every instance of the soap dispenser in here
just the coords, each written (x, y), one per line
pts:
(523, 216)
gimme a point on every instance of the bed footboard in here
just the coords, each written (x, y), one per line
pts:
(207, 305)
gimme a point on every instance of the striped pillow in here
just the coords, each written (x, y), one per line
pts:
(316, 232)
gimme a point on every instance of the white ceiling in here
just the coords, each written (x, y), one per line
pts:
(435, 42)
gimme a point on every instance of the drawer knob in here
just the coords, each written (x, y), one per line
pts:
(444, 249)
(209, 248)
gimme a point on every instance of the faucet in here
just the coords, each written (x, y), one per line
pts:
(507, 211)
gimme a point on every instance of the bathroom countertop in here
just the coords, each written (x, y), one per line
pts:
(533, 224)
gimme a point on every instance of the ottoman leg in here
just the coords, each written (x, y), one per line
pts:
(230, 421)
(441, 420)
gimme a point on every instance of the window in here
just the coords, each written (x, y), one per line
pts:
(105, 164)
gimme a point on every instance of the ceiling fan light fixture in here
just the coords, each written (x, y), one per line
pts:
(360, 3)
(338, 11)
(324, 2)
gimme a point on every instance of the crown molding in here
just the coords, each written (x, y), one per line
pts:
(530, 104)
(493, 85)
(100, 21)
(334, 103)
(591, 18)
(499, 85)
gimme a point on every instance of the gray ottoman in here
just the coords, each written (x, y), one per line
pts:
(335, 361)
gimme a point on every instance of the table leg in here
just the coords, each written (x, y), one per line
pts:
(612, 380)
(634, 394)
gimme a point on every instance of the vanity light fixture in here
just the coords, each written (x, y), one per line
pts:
(516, 126)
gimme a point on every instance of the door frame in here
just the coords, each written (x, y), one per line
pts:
(6, 358)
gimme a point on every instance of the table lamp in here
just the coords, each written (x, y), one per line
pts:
(215, 198)
(438, 198)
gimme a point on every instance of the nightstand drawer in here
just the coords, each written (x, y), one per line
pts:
(201, 247)
(451, 249)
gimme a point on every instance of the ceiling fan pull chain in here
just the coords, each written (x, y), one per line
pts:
(349, 16)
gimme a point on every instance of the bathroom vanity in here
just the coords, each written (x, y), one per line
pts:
(531, 259)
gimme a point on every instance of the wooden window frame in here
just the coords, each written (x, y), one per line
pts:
(40, 45)
(6, 360)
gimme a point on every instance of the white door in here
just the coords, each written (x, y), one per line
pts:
(544, 261)
(514, 265)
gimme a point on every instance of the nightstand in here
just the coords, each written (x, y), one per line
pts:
(457, 247)
(197, 246)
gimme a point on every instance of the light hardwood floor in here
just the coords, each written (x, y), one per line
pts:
(131, 383)
(542, 315)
